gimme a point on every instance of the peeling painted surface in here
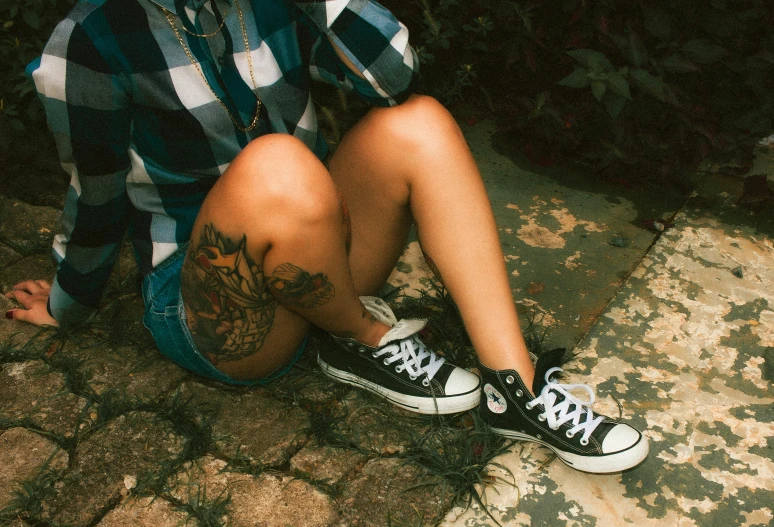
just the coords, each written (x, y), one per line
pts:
(558, 233)
(412, 273)
(684, 347)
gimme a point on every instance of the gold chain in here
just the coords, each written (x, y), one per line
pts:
(254, 122)
(170, 16)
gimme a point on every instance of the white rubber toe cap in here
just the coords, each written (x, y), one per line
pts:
(620, 438)
(461, 381)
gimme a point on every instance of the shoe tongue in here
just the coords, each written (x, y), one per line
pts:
(403, 329)
(546, 361)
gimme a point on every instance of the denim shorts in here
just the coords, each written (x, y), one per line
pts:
(165, 318)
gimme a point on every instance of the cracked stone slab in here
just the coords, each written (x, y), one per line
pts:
(144, 376)
(136, 445)
(382, 489)
(7, 256)
(266, 500)
(23, 455)
(27, 228)
(30, 391)
(376, 426)
(150, 511)
(685, 346)
(34, 267)
(254, 426)
(325, 463)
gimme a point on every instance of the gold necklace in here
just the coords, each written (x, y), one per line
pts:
(254, 122)
(170, 18)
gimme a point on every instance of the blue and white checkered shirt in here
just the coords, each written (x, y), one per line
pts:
(142, 135)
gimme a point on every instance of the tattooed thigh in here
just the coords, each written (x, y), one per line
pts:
(229, 307)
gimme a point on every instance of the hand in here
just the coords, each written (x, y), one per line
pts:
(33, 296)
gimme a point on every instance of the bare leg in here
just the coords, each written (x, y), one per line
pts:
(268, 256)
(412, 160)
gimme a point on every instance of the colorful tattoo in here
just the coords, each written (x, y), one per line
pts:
(230, 310)
(298, 289)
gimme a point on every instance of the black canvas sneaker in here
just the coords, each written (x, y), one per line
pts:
(401, 369)
(559, 420)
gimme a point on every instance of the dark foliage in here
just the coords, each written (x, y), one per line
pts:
(651, 89)
(27, 151)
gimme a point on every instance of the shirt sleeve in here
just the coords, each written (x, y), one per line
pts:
(372, 39)
(86, 105)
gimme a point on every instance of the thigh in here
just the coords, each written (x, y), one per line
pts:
(234, 320)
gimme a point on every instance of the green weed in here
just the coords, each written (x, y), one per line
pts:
(29, 497)
(207, 512)
(460, 457)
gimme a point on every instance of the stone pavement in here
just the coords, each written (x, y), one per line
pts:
(96, 429)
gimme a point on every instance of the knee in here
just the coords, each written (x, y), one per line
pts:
(421, 123)
(279, 174)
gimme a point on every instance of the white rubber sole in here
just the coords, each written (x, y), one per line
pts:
(604, 464)
(421, 405)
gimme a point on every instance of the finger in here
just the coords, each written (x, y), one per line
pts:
(29, 286)
(43, 285)
(20, 296)
(20, 314)
(32, 316)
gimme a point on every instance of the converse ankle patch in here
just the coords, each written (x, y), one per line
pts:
(494, 399)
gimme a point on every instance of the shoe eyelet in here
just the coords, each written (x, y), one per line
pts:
(399, 368)
(413, 377)
(361, 349)
(584, 442)
(350, 344)
(569, 435)
(542, 417)
(425, 382)
(519, 393)
(509, 379)
(385, 362)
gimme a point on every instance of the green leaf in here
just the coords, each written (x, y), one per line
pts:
(598, 89)
(676, 63)
(577, 79)
(658, 23)
(614, 104)
(590, 58)
(703, 51)
(31, 18)
(653, 85)
(619, 85)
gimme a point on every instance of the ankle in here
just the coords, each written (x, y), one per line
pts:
(525, 372)
(370, 334)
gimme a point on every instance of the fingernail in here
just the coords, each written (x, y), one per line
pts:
(9, 315)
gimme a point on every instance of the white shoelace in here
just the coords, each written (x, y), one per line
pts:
(570, 409)
(411, 352)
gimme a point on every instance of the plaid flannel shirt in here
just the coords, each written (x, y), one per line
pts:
(144, 139)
